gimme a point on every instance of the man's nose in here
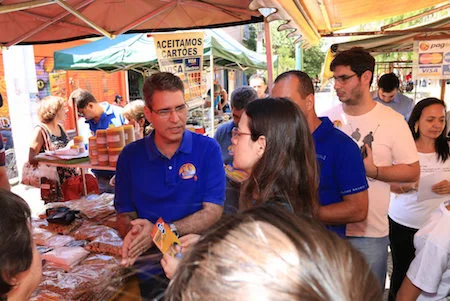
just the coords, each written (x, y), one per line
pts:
(173, 116)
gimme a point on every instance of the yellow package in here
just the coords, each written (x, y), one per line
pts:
(164, 238)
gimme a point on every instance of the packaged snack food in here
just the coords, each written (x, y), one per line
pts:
(115, 137)
(66, 257)
(101, 138)
(129, 133)
(113, 155)
(103, 158)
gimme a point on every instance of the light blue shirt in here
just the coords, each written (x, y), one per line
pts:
(401, 104)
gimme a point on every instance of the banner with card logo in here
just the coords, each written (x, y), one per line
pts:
(431, 59)
(182, 54)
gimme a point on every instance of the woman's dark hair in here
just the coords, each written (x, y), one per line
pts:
(287, 170)
(440, 144)
(16, 251)
(267, 253)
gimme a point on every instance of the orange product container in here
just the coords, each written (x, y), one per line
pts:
(79, 142)
(93, 151)
(129, 133)
(92, 141)
(113, 154)
(115, 137)
(75, 147)
(101, 138)
(93, 160)
(103, 158)
(78, 139)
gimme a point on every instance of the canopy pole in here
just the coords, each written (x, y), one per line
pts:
(211, 94)
(268, 55)
(443, 86)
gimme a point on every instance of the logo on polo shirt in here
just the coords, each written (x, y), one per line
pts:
(187, 171)
(231, 150)
(337, 124)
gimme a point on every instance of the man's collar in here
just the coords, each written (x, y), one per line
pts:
(185, 146)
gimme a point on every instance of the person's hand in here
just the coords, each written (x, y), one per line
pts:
(169, 263)
(137, 241)
(371, 169)
(187, 241)
(443, 187)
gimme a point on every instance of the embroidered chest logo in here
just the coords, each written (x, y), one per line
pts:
(187, 171)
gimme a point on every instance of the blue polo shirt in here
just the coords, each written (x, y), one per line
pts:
(223, 137)
(111, 115)
(154, 186)
(401, 104)
(341, 167)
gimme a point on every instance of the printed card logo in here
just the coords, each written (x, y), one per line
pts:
(424, 46)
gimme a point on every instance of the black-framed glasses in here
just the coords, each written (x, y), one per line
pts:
(235, 132)
(164, 113)
(342, 79)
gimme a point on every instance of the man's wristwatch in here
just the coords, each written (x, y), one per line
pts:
(174, 229)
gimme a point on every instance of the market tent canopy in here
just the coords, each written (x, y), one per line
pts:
(137, 51)
(50, 21)
(311, 19)
(395, 43)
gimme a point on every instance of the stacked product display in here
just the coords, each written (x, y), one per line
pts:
(105, 147)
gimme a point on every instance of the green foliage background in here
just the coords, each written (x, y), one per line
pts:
(284, 48)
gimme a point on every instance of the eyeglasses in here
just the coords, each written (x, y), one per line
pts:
(343, 78)
(235, 132)
(164, 113)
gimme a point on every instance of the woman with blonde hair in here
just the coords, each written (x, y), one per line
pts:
(134, 113)
(267, 253)
(50, 134)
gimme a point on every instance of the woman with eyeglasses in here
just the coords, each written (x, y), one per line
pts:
(273, 145)
(408, 211)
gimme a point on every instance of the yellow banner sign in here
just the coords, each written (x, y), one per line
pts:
(182, 54)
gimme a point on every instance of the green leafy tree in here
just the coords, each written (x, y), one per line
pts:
(250, 42)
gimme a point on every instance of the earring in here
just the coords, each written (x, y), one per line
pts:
(416, 128)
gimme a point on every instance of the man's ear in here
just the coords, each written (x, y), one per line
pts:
(366, 76)
(261, 144)
(147, 114)
(309, 102)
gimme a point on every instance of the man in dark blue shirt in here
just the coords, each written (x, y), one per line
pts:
(99, 116)
(342, 185)
(172, 173)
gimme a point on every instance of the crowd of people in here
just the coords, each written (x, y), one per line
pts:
(323, 200)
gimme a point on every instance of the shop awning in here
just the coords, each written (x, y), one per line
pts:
(50, 21)
(402, 42)
(311, 19)
(136, 51)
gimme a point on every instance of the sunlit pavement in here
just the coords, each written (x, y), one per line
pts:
(32, 196)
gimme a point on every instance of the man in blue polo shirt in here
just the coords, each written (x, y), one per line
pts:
(389, 95)
(172, 173)
(342, 185)
(99, 116)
